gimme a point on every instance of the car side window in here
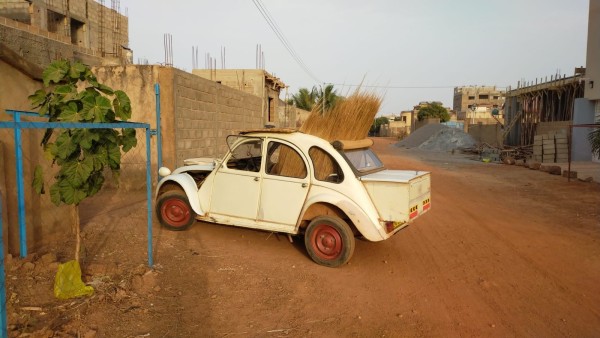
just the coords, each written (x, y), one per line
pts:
(326, 167)
(246, 156)
(283, 160)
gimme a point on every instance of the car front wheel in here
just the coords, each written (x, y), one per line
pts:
(329, 241)
(174, 211)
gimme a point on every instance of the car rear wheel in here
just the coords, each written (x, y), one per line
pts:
(329, 241)
(174, 210)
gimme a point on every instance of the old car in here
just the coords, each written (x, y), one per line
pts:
(289, 182)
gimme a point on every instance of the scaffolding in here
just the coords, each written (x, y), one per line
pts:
(544, 101)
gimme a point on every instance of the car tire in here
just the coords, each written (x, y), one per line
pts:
(174, 210)
(329, 241)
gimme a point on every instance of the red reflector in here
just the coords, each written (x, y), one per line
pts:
(414, 214)
(426, 206)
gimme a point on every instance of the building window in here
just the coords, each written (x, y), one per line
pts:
(270, 110)
(484, 97)
(56, 23)
(496, 97)
(471, 97)
(78, 33)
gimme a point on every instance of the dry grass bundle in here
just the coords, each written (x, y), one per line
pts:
(349, 119)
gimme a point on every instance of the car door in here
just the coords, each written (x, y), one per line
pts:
(236, 187)
(284, 187)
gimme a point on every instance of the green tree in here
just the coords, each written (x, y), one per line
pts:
(377, 123)
(433, 110)
(305, 99)
(73, 94)
(331, 96)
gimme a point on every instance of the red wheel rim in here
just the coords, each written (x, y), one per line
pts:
(326, 242)
(175, 212)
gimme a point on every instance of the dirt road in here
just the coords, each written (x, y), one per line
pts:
(505, 251)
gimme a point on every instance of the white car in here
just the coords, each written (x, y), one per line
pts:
(289, 182)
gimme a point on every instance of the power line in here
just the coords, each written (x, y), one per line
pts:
(399, 87)
(288, 46)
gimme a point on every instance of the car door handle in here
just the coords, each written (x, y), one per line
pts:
(304, 185)
(256, 179)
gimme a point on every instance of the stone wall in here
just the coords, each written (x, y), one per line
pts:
(206, 112)
(487, 133)
(41, 47)
(43, 219)
(196, 114)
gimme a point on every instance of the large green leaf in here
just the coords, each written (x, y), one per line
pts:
(122, 105)
(38, 180)
(64, 145)
(96, 108)
(65, 89)
(104, 89)
(94, 183)
(55, 194)
(114, 155)
(77, 70)
(128, 139)
(70, 194)
(70, 113)
(38, 98)
(55, 72)
(88, 137)
(77, 172)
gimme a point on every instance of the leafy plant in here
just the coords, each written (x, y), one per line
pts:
(376, 126)
(73, 94)
(433, 110)
(594, 138)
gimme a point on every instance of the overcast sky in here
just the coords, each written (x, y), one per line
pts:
(421, 44)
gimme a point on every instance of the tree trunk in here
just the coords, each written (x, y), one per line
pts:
(75, 212)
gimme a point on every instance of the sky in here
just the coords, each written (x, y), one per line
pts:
(407, 51)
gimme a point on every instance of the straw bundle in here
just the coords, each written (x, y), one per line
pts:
(349, 119)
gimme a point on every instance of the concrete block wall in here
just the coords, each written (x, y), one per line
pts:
(552, 147)
(206, 112)
(41, 47)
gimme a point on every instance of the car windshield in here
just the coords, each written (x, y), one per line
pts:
(363, 160)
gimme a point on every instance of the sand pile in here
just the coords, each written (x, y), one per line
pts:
(437, 137)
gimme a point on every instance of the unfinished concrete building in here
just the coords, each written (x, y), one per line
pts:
(257, 82)
(41, 31)
(479, 104)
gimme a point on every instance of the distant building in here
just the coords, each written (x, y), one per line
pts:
(477, 103)
(253, 81)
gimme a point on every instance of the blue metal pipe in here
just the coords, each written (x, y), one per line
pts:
(20, 187)
(149, 196)
(158, 128)
(3, 320)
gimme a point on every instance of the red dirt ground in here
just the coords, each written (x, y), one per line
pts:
(505, 251)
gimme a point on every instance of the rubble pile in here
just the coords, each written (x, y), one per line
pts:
(438, 137)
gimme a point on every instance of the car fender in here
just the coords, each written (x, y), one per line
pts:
(187, 183)
(357, 215)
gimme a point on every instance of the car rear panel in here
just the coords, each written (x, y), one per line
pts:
(399, 196)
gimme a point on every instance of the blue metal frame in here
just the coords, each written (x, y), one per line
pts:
(3, 320)
(158, 132)
(17, 125)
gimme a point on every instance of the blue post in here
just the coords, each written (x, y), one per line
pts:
(149, 196)
(3, 321)
(20, 187)
(158, 132)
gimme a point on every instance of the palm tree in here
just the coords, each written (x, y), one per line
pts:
(594, 138)
(331, 96)
(305, 99)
